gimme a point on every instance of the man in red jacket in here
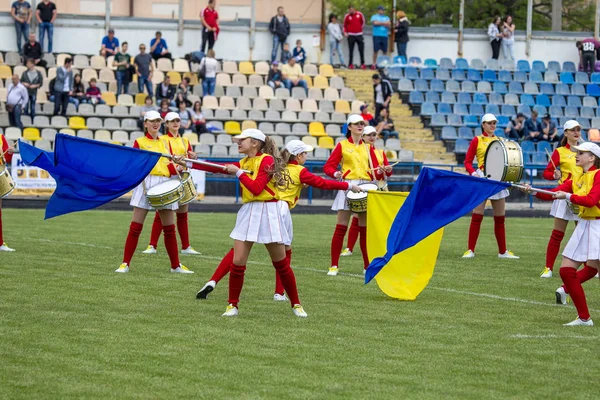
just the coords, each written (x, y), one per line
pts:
(354, 22)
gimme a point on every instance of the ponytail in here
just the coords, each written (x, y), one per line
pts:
(279, 172)
(563, 141)
(286, 156)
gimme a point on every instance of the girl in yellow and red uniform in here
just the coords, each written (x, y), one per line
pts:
(162, 171)
(8, 153)
(383, 170)
(178, 146)
(584, 245)
(564, 158)
(294, 155)
(477, 149)
(262, 217)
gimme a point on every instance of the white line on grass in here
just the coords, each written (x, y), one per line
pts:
(75, 243)
(522, 336)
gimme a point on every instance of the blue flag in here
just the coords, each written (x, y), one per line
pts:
(88, 173)
(438, 198)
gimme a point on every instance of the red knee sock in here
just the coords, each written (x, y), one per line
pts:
(584, 275)
(353, 234)
(500, 233)
(337, 242)
(363, 245)
(182, 227)
(553, 248)
(131, 242)
(278, 284)
(171, 245)
(287, 279)
(575, 290)
(156, 230)
(474, 230)
(236, 282)
(1, 239)
(224, 267)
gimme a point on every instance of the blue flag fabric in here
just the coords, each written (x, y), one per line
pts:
(438, 198)
(88, 173)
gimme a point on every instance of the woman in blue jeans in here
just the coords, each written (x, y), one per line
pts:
(210, 65)
(335, 37)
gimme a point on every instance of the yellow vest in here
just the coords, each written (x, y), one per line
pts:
(158, 146)
(292, 193)
(252, 165)
(1, 151)
(379, 155)
(482, 144)
(179, 145)
(355, 161)
(582, 187)
(568, 169)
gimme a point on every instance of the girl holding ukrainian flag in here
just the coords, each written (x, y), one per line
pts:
(477, 148)
(6, 153)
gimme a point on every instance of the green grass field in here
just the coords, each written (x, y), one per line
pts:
(484, 328)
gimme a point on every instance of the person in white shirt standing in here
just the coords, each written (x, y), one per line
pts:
(63, 87)
(335, 37)
(16, 99)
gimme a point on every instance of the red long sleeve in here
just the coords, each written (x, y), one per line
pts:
(592, 198)
(471, 153)
(7, 156)
(566, 186)
(334, 160)
(310, 179)
(549, 171)
(378, 175)
(259, 184)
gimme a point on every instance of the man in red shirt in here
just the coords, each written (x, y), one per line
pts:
(367, 116)
(354, 22)
(210, 21)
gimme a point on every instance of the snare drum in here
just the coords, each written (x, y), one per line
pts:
(7, 185)
(357, 202)
(504, 161)
(165, 193)
(189, 189)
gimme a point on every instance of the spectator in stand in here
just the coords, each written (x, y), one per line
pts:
(63, 87)
(280, 29)
(548, 129)
(285, 54)
(164, 108)
(46, 15)
(186, 118)
(33, 50)
(514, 129)
(78, 96)
(587, 54)
(292, 75)
(198, 118)
(210, 65)
(16, 100)
(183, 91)
(381, 25)
(299, 54)
(335, 37)
(274, 79)
(121, 61)
(354, 22)
(532, 129)
(385, 125)
(508, 40)
(367, 116)
(21, 13)
(495, 37)
(401, 35)
(144, 69)
(158, 47)
(93, 93)
(32, 79)
(166, 91)
(148, 106)
(382, 93)
(210, 21)
(110, 45)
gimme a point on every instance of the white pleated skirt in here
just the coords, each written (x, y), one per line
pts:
(263, 222)
(585, 241)
(339, 203)
(500, 195)
(562, 211)
(139, 200)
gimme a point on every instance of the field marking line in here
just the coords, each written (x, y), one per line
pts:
(522, 336)
(75, 243)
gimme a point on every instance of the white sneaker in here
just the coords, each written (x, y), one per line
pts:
(123, 269)
(346, 252)
(150, 250)
(580, 322)
(508, 254)
(191, 251)
(280, 297)
(333, 271)
(182, 269)
(206, 289)
(468, 254)
(561, 296)
(546, 273)
(597, 275)
(299, 311)
(230, 311)
(4, 247)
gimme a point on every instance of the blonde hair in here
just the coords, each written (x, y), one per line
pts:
(286, 156)
(400, 14)
(210, 53)
(279, 173)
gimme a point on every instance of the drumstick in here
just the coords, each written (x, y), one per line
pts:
(551, 160)
(206, 163)
(392, 165)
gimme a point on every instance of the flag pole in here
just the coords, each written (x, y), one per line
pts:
(205, 163)
(531, 189)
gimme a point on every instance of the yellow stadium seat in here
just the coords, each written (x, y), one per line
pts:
(140, 99)
(5, 71)
(391, 155)
(321, 82)
(193, 78)
(175, 77)
(32, 134)
(246, 68)
(77, 123)
(342, 106)
(191, 137)
(248, 125)
(309, 81)
(326, 142)
(326, 70)
(233, 127)
(316, 129)
(109, 98)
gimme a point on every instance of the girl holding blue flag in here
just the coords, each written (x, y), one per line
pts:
(6, 153)
(477, 148)
(162, 171)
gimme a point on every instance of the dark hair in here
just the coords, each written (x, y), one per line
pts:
(148, 98)
(164, 101)
(93, 80)
(124, 43)
(30, 60)
(68, 60)
(187, 79)
(75, 77)
(350, 6)
(279, 8)
(519, 115)
(579, 44)
(199, 103)
(332, 16)
(158, 33)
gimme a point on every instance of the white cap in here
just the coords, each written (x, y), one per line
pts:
(171, 116)
(354, 118)
(251, 133)
(488, 118)
(589, 146)
(369, 129)
(152, 115)
(570, 124)
(295, 147)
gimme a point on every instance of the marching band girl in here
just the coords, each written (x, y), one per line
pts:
(6, 154)
(477, 149)
(162, 171)
(179, 146)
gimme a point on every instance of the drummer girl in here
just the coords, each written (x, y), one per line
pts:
(6, 154)
(180, 146)
(262, 217)
(563, 158)
(162, 171)
(354, 160)
(382, 172)
(477, 149)
(584, 245)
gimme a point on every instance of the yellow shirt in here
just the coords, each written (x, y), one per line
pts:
(292, 193)
(178, 146)
(269, 193)
(581, 187)
(158, 146)
(568, 169)
(290, 72)
(354, 159)
(482, 144)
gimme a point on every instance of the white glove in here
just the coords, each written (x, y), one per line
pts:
(478, 173)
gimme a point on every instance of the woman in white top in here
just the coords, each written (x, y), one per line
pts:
(198, 118)
(210, 65)
(335, 37)
(495, 37)
(508, 41)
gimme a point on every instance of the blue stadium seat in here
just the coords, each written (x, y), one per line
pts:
(531, 88)
(578, 89)
(415, 97)
(411, 73)
(449, 133)
(400, 60)
(558, 100)
(523, 65)
(502, 121)
(541, 110)
(461, 146)
(464, 132)
(428, 108)
(489, 75)
(536, 77)
(492, 63)
(453, 86)
(542, 100)
(448, 97)
(458, 75)
(528, 100)
(472, 121)
(515, 87)
(484, 87)
(521, 76)
(587, 112)
(526, 157)
(438, 120)
(394, 72)
(443, 74)
(455, 120)
(437, 85)
(383, 61)
(444, 108)
(582, 77)
(476, 109)
(427, 73)
(477, 63)
(589, 101)
(492, 109)
(556, 111)
(584, 135)
(584, 122)
(547, 88)
(567, 77)
(538, 66)
(430, 63)
(563, 88)
(432, 97)
(527, 146)
(405, 85)
(499, 132)
(480, 98)
(461, 63)
(554, 66)
(539, 158)
(461, 109)
(504, 76)
(569, 66)
(464, 98)
(571, 112)
(594, 79)
(496, 98)
(415, 60)
(445, 62)
(508, 109)
(574, 101)
(512, 99)
(421, 85)
(543, 146)
(469, 87)
(500, 87)
(473, 75)
(524, 109)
